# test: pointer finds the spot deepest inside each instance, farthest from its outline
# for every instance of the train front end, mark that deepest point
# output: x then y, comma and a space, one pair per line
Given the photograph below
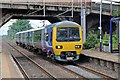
67, 42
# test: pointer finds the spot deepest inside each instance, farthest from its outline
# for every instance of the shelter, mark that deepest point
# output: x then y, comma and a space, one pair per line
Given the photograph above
114, 19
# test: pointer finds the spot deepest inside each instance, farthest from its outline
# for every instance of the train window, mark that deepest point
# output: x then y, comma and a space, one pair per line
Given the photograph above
68, 34
37, 36
46, 36
30, 36
23, 37
40, 34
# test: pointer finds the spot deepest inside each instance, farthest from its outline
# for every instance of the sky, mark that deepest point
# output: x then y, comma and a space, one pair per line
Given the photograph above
34, 24
4, 28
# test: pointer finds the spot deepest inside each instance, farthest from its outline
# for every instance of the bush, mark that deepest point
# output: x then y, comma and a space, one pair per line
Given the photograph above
106, 40
114, 40
91, 41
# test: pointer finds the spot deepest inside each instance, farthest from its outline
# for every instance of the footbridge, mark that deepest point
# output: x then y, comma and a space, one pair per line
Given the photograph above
51, 10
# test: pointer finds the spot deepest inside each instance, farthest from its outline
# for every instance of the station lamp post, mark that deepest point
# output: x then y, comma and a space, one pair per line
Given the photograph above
100, 27
83, 18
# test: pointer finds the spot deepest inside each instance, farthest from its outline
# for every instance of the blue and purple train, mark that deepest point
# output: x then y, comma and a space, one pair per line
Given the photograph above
60, 41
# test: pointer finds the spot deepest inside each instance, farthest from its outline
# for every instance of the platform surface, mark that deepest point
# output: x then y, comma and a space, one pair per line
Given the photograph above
9, 68
114, 57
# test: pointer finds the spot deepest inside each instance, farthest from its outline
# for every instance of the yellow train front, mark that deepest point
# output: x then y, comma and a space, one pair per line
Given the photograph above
67, 41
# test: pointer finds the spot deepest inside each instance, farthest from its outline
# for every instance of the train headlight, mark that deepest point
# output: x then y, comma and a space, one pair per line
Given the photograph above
59, 47
77, 46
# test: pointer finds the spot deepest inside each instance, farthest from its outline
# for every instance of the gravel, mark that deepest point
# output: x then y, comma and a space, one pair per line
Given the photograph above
32, 70
101, 69
81, 71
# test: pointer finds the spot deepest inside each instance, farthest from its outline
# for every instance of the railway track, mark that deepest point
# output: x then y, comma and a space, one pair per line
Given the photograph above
94, 72
67, 69
21, 68
79, 76
30, 60
103, 76
59, 65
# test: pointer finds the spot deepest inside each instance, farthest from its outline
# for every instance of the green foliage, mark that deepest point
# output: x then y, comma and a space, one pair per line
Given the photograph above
115, 41
91, 41
106, 39
116, 12
19, 25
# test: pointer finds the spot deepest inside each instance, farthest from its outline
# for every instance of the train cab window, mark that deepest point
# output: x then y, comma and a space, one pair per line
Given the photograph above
68, 34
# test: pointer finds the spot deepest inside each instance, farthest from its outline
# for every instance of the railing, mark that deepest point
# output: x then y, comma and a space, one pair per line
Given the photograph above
86, 3
94, 6
107, 7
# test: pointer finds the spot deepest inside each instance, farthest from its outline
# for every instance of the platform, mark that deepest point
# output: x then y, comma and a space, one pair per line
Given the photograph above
113, 57
9, 67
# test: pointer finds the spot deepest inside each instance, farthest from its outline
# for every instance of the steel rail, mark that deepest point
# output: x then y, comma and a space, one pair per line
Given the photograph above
59, 65
45, 71
79, 75
21, 68
94, 72
64, 68
25, 75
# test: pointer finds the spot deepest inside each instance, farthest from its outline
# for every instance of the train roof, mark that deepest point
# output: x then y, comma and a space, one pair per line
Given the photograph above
30, 30
63, 23
67, 23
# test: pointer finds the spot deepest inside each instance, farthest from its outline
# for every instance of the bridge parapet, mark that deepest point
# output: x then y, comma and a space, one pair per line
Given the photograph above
54, 8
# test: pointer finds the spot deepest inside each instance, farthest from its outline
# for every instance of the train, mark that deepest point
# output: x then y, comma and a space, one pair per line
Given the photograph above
60, 41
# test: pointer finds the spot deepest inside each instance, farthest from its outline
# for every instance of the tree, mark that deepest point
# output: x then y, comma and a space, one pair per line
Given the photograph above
116, 12
19, 25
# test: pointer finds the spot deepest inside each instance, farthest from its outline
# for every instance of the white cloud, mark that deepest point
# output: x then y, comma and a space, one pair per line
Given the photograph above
34, 23
4, 28
39, 23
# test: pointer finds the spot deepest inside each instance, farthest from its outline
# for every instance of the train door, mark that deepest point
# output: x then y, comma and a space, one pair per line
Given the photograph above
43, 38
50, 37
28, 39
